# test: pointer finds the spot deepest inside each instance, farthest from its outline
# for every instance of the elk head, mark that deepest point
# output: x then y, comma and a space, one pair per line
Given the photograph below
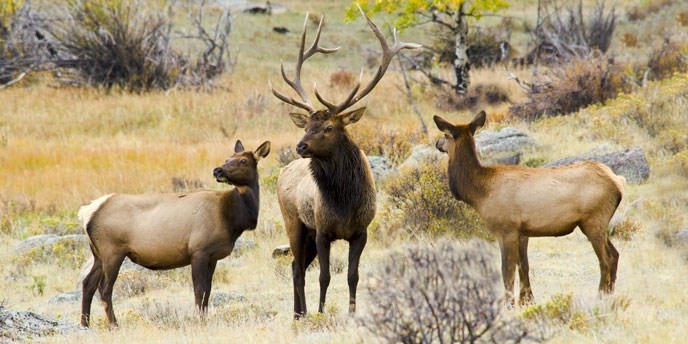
455, 134
325, 128
240, 168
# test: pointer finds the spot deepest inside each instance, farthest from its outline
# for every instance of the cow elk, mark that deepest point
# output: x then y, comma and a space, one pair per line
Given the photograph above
167, 231
330, 194
519, 202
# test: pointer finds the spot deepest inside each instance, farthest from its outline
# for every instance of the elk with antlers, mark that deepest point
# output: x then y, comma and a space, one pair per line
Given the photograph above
330, 194
519, 202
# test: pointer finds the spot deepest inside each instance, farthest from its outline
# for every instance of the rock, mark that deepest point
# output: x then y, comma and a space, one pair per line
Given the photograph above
631, 163
220, 298
68, 297
242, 246
682, 236
421, 153
46, 240
505, 140
514, 159
34, 242
281, 251
23, 326
381, 168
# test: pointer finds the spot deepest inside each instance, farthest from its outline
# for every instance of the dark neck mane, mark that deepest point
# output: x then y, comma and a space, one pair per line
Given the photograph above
243, 209
466, 174
341, 178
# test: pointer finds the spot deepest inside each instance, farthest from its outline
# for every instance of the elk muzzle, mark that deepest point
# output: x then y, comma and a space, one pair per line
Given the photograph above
302, 149
220, 175
441, 145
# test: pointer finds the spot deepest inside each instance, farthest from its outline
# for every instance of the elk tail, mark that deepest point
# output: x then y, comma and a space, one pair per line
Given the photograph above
86, 212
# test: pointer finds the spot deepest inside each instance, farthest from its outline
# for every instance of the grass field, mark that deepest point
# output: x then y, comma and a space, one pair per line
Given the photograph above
62, 147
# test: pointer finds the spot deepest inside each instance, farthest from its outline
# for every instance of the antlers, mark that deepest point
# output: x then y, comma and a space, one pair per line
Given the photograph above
354, 96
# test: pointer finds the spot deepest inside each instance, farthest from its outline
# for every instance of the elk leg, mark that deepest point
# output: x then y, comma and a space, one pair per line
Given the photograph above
90, 285
209, 284
598, 238
311, 251
355, 250
509, 247
297, 241
323, 244
110, 271
526, 295
199, 276
614, 260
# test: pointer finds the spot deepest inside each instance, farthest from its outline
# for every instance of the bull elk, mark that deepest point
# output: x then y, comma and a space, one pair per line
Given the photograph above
330, 194
167, 231
519, 202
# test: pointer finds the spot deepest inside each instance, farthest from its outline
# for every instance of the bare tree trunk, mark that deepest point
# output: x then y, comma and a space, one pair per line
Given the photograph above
461, 63
409, 95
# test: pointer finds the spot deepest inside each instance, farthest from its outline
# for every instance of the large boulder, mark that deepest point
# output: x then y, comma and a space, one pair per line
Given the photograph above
505, 140
20, 326
422, 153
47, 240
630, 163
381, 168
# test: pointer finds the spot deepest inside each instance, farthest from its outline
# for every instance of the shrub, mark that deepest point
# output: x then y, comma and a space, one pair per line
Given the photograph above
565, 33
638, 13
477, 97
561, 310
579, 83
420, 202
667, 59
626, 229
394, 144
441, 293
682, 18
123, 43
22, 45
629, 39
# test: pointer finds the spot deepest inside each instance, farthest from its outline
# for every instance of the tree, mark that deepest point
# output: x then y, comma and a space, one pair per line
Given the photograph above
448, 14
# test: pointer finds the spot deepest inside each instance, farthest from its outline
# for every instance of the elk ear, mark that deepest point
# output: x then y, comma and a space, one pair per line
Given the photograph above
352, 116
478, 121
445, 126
238, 147
262, 151
299, 119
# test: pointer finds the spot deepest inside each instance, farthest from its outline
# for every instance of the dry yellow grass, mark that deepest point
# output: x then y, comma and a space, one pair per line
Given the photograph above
60, 148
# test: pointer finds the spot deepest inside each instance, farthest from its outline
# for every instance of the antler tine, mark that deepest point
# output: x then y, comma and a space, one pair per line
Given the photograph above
303, 56
290, 100
387, 55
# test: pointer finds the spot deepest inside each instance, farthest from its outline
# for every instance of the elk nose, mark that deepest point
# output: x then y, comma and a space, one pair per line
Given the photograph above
301, 147
217, 171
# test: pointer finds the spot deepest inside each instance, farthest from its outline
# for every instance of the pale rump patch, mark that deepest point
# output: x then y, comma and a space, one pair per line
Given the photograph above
86, 212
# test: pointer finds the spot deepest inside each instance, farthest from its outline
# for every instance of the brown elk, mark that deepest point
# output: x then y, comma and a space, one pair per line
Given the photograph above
519, 202
167, 231
330, 194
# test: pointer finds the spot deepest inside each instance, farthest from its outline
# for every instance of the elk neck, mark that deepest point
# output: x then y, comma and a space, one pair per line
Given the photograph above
242, 207
468, 179
342, 178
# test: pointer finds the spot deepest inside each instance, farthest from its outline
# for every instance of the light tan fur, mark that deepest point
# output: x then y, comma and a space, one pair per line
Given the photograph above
167, 231
519, 202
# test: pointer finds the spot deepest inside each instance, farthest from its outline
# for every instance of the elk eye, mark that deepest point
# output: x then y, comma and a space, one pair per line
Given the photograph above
329, 128
243, 161
448, 137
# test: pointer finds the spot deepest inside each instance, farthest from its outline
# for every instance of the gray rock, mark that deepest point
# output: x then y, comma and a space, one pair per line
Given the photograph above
381, 168
631, 163
422, 153
281, 251
242, 246
682, 236
68, 297
23, 326
46, 240
220, 298
505, 140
